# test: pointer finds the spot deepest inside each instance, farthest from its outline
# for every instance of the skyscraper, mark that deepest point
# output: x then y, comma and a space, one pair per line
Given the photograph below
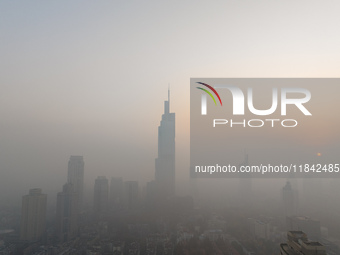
245, 186
289, 198
116, 192
67, 213
311, 227
165, 162
101, 195
33, 215
131, 197
76, 177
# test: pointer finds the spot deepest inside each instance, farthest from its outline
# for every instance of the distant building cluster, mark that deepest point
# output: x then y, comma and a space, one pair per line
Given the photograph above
127, 219
115, 195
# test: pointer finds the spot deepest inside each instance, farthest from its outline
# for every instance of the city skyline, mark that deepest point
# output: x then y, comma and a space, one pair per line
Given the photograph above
96, 156
106, 201
75, 82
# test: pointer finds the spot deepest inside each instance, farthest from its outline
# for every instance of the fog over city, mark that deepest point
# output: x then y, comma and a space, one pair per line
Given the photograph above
109, 81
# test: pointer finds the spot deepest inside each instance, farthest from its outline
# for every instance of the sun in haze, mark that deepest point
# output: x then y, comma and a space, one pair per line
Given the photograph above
319, 154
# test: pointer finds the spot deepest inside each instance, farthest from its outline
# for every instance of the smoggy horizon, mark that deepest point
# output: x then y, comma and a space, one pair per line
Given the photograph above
90, 79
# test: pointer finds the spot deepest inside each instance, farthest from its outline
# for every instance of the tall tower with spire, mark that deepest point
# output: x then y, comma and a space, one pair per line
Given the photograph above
165, 162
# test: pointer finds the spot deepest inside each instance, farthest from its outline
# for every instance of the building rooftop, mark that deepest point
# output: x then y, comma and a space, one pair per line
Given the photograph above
298, 244
286, 250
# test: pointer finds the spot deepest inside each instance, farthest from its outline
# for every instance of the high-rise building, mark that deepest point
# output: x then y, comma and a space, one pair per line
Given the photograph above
289, 199
165, 162
245, 191
76, 177
67, 213
298, 244
308, 225
261, 227
116, 192
33, 215
151, 194
101, 195
131, 197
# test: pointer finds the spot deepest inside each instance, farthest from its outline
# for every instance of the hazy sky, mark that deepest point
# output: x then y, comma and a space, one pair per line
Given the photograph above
90, 77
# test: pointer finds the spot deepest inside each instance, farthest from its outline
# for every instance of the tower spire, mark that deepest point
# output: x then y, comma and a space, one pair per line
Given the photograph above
167, 103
